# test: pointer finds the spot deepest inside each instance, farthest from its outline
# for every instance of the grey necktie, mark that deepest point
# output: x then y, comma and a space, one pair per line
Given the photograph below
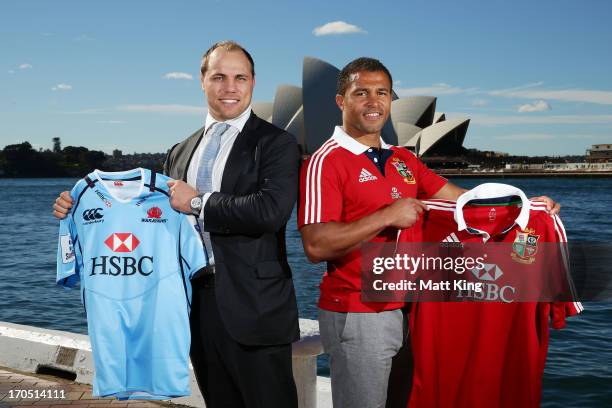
205, 173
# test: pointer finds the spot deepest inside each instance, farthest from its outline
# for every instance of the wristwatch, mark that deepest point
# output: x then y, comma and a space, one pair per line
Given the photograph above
196, 205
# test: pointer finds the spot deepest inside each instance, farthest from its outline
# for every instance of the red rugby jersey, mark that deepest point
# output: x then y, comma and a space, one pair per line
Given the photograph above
484, 353
339, 182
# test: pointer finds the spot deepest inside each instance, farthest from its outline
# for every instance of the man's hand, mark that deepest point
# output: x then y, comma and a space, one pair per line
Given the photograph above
181, 194
552, 207
62, 205
330, 240
404, 213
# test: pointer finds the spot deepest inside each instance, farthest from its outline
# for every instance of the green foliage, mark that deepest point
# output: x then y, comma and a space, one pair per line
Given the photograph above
21, 160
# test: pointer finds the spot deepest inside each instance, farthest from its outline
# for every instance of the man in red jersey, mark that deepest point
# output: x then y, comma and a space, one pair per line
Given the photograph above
488, 347
355, 189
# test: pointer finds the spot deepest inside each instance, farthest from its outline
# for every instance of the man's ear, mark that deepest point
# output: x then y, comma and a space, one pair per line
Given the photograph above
340, 102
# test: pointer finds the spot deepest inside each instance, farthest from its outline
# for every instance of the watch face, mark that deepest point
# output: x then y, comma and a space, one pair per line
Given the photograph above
196, 202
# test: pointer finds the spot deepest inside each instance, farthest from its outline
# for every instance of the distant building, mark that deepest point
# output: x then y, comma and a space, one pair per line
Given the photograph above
599, 153
117, 153
57, 145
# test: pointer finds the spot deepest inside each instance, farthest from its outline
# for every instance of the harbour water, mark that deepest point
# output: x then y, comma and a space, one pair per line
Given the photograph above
579, 366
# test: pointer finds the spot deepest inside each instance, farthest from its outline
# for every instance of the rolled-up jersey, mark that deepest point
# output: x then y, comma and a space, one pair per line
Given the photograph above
134, 257
485, 349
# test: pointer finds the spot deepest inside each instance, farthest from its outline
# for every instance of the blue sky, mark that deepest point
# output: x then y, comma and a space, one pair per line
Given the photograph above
534, 76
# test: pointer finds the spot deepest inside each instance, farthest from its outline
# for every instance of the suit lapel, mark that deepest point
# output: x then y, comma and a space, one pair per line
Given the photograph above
240, 154
191, 146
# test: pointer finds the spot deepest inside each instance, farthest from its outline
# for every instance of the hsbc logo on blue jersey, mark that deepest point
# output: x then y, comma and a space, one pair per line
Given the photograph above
491, 292
122, 265
105, 200
122, 242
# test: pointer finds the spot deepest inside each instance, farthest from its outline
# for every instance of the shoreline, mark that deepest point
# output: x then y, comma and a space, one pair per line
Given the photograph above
441, 172
520, 174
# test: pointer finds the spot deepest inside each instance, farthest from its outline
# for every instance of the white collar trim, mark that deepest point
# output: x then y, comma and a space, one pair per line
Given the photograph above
492, 190
238, 122
352, 145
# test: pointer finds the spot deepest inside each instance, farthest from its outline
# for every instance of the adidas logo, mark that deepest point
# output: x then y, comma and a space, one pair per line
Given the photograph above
451, 238
366, 176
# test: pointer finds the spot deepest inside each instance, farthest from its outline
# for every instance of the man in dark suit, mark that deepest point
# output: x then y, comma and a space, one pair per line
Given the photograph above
239, 176
244, 313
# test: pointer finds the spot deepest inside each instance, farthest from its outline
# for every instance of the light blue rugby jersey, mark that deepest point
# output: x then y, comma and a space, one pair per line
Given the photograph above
134, 256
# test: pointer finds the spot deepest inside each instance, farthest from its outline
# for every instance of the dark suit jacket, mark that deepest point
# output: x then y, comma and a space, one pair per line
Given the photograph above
246, 221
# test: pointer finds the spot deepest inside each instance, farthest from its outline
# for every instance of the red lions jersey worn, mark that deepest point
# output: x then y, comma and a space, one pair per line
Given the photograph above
340, 183
480, 353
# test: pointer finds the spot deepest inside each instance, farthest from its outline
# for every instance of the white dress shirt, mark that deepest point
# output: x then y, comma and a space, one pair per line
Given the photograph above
227, 142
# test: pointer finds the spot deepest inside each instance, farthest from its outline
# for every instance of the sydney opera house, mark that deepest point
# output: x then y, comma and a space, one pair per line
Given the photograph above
310, 113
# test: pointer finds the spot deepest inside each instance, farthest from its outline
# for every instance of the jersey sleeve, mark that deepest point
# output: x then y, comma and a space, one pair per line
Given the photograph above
320, 191
69, 260
429, 183
191, 249
559, 311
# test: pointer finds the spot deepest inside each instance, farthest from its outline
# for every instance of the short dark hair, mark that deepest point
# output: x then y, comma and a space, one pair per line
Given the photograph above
227, 45
357, 65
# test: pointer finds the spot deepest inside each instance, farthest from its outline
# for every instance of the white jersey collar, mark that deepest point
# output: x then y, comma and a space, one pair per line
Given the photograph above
491, 190
352, 145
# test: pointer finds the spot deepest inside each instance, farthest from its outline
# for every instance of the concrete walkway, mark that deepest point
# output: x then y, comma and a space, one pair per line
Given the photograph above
56, 392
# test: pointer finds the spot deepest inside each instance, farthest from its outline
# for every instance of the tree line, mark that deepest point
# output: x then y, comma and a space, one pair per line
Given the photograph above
22, 160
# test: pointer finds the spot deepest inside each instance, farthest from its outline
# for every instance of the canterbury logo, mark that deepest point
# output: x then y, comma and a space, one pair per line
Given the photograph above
366, 176
92, 214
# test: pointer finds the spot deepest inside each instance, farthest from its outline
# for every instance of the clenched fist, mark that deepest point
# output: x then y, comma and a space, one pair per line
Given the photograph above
181, 194
404, 213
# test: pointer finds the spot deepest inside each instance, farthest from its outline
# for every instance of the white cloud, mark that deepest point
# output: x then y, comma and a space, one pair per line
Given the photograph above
531, 91
434, 90
110, 122
83, 37
527, 136
480, 102
504, 120
337, 28
88, 111
159, 108
178, 75
537, 106
25, 66
62, 87
517, 88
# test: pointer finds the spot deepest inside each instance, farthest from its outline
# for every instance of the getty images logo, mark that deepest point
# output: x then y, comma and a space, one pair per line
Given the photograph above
121, 265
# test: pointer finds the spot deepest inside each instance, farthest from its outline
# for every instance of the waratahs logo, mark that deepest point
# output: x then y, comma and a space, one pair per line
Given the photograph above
154, 212
154, 215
